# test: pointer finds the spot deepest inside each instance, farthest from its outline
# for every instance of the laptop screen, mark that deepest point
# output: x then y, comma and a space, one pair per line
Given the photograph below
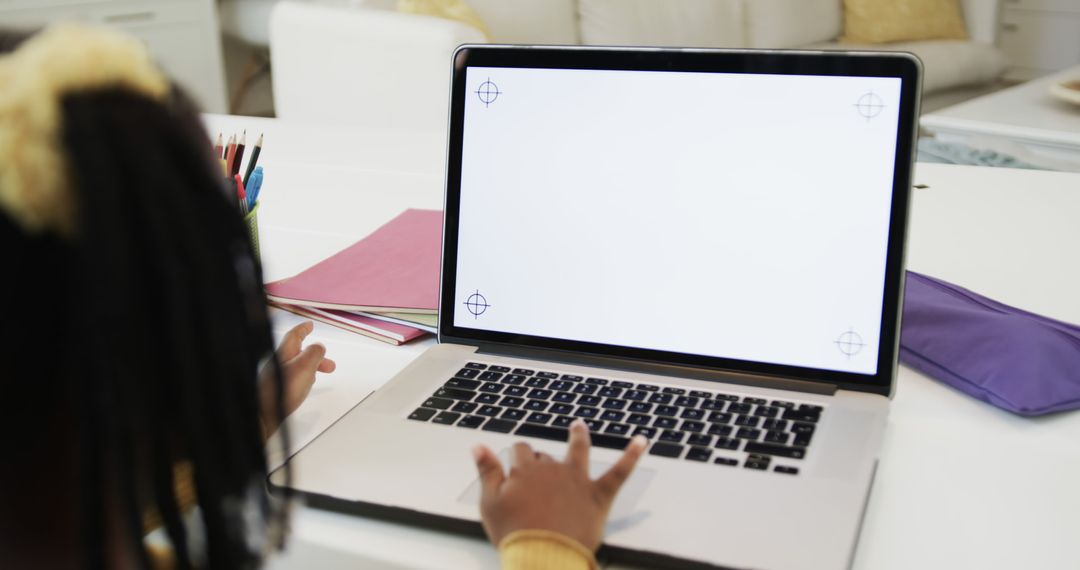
737, 216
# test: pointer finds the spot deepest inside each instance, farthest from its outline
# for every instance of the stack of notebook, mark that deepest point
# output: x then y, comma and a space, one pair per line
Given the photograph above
385, 286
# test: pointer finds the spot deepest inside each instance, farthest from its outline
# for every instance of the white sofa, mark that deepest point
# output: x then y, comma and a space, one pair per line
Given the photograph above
361, 62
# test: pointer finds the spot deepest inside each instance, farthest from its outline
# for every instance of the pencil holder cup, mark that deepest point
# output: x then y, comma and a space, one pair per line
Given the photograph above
251, 220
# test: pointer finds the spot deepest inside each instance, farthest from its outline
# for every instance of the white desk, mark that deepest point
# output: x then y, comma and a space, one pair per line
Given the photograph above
961, 484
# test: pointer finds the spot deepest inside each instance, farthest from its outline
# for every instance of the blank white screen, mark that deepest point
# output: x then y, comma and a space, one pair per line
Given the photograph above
730, 215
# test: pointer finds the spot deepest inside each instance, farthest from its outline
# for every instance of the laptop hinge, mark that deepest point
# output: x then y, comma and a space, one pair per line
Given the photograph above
648, 367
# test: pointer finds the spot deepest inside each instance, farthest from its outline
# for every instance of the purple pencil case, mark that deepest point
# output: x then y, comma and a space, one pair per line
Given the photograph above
1018, 361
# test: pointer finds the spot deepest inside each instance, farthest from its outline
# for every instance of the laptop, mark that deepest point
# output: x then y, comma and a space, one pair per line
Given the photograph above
701, 246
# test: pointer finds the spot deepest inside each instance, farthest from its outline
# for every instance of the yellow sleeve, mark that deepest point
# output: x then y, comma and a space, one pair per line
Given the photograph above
544, 550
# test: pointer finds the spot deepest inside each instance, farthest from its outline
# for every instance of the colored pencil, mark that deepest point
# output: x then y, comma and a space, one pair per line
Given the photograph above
218, 146
239, 155
230, 155
255, 152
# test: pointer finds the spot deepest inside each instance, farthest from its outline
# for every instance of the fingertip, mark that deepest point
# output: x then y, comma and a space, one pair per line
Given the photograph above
578, 424
638, 442
479, 451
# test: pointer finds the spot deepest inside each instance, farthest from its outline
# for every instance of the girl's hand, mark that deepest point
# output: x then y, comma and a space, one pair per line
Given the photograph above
543, 493
298, 369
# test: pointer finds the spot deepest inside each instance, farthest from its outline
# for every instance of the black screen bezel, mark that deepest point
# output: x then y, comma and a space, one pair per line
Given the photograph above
864, 64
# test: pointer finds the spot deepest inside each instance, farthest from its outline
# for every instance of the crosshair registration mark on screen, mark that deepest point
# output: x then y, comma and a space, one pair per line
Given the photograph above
476, 304
488, 92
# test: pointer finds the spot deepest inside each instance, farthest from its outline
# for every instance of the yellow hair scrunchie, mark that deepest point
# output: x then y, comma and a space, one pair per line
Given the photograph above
35, 180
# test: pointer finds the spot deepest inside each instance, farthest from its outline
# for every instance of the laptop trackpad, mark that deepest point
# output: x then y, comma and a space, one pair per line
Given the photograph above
622, 512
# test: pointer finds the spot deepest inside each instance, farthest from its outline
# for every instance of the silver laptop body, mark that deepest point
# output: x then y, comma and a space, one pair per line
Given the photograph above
704, 246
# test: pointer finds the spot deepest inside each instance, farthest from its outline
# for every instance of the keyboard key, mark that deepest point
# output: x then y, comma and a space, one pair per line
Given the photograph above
786, 470
748, 433
563, 434
661, 398
614, 404
572, 378
672, 436
511, 402
597, 381
766, 412
422, 414
648, 387
676, 391
646, 432
612, 416
727, 443
720, 429
640, 407
617, 429
698, 454
467, 373
490, 376
496, 368
561, 409
802, 439
536, 405
747, 421
501, 426
756, 401
776, 425
446, 418
801, 415
514, 379
622, 384
464, 407
462, 383
665, 423
687, 401
670, 411
512, 414
727, 397
471, 422
810, 408
594, 425
739, 408
725, 461
515, 390
539, 394
562, 385
563, 421
781, 404
455, 394
800, 428
537, 382
565, 397
635, 395
538, 418
586, 412
777, 450
476, 366
692, 426
713, 404
589, 401
720, 417
492, 388
489, 411
776, 437
524, 371
437, 403
666, 449
639, 419
610, 392
699, 439
700, 394
486, 399
548, 375
756, 464
692, 414
588, 389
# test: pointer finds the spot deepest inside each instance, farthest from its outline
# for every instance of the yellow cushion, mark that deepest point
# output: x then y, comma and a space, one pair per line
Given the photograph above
456, 10
881, 21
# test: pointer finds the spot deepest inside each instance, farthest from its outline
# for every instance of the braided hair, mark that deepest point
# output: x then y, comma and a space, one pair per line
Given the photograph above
134, 345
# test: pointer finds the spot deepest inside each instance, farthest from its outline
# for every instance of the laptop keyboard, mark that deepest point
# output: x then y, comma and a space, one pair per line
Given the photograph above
694, 425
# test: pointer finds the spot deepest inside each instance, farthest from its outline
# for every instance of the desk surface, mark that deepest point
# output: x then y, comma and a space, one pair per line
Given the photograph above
960, 484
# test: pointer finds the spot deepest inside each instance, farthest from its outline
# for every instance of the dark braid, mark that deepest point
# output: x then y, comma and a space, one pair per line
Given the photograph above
172, 293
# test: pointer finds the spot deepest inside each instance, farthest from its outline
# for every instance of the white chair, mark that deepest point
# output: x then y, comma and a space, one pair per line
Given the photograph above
336, 64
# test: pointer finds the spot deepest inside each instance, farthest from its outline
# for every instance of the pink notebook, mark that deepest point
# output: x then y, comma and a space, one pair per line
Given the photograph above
396, 268
387, 332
